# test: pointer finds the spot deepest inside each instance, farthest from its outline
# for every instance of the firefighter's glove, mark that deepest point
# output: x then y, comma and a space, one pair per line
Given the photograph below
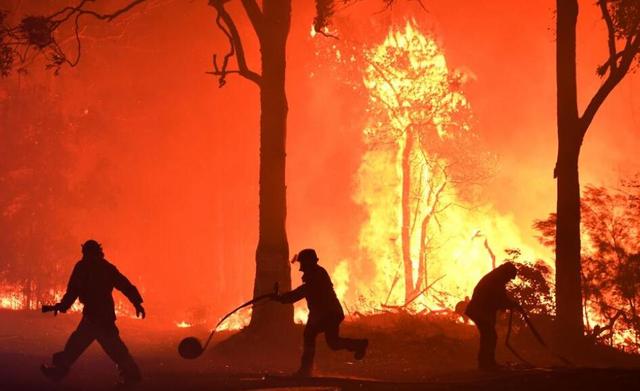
140, 311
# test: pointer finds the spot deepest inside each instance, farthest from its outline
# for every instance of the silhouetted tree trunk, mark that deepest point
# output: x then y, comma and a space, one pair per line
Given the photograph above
272, 253
571, 130
271, 24
568, 299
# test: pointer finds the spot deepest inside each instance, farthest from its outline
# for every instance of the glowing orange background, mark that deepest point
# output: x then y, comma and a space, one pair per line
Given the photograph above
183, 154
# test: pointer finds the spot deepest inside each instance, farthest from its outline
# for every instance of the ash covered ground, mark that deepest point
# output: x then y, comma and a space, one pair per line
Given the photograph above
406, 352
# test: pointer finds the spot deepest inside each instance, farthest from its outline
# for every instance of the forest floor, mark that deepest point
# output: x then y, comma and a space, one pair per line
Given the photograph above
405, 353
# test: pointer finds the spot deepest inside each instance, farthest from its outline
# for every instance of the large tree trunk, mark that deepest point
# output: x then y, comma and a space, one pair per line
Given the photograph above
272, 253
569, 326
406, 215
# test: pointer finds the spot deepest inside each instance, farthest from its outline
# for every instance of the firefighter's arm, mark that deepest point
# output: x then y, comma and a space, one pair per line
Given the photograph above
123, 284
292, 296
71, 294
505, 302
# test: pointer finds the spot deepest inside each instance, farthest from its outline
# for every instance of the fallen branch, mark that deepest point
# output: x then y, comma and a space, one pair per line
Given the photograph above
424, 290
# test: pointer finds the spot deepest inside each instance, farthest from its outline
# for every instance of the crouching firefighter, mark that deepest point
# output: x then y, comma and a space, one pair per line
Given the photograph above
490, 296
325, 312
92, 280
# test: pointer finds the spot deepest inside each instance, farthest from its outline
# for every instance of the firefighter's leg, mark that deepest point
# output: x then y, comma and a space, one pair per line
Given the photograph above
336, 342
77, 343
311, 331
488, 340
109, 338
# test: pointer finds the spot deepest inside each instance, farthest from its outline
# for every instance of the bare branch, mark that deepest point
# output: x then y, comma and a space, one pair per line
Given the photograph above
228, 27
77, 11
386, 79
423, 291
35, 35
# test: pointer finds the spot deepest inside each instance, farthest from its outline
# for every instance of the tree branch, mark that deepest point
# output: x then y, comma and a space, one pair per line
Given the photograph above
34, 35
79, 11
228, 27
611, 33
254, 13
416, 295
628, 54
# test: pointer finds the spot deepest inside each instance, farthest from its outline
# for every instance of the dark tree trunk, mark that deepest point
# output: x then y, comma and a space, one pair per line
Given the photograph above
406, 216
272, 253
569, 324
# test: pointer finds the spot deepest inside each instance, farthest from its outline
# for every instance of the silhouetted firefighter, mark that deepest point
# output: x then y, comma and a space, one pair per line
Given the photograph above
490, 296
325, 312
92, 280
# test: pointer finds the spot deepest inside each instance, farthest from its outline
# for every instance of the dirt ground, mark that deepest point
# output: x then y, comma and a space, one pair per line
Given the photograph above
406, 353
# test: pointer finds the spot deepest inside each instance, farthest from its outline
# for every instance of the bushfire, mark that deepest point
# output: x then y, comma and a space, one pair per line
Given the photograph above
429, 233
427, 238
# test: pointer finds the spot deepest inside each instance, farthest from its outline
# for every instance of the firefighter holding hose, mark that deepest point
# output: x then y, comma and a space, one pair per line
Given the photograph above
325, 312
489, 297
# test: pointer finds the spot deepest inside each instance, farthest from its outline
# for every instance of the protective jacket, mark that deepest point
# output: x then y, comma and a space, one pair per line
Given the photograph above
490, 295
92, 281
321, 298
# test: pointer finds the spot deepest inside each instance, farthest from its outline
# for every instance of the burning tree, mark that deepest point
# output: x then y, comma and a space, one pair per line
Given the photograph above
420, 118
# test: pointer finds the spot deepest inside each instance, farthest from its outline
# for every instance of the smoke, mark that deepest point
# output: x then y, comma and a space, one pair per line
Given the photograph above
164, 165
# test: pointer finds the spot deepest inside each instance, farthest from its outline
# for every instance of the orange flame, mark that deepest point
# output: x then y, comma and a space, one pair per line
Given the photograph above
412, 90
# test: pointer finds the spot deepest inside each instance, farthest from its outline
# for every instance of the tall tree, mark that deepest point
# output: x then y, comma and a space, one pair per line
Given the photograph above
271, 26
419, 112
622, 19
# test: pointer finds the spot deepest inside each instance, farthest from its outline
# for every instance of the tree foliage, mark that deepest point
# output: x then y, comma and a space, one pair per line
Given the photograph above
610, 228
622, 18
532, 288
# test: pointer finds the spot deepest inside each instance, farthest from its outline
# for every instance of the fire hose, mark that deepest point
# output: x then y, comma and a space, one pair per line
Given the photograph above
508, 344
191, 348
537, 336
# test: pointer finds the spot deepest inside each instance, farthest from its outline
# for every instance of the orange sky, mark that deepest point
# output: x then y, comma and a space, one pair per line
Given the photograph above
182, 153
